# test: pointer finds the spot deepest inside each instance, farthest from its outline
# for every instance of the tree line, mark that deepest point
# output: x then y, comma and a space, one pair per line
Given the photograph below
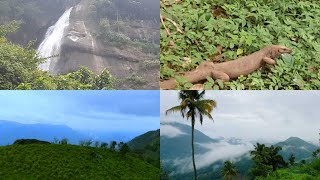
122, 147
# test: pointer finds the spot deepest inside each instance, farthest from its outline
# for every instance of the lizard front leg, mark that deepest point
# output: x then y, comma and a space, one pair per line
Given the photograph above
220, 75
269, 60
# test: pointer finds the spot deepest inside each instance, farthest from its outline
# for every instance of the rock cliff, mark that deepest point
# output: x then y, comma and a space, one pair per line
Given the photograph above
81, 47
132, 62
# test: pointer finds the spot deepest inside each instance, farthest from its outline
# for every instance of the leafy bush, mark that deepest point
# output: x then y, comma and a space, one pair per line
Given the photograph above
309, 171
238, 28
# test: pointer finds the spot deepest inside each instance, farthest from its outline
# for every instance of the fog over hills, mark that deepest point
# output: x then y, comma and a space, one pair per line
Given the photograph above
210, 152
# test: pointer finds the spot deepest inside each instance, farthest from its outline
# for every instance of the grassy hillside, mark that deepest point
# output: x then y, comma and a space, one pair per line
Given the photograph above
148, 138
147, 146
38, 161
309, 171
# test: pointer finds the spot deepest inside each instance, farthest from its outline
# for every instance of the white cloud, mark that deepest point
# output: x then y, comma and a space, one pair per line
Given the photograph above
216, 152
170, 131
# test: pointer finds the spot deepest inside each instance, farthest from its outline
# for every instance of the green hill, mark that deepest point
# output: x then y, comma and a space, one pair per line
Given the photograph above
151, 138
51, 161
298, 147
147, 146
310, 171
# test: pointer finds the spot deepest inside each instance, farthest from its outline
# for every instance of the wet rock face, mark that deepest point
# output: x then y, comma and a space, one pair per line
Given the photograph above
81, 47
35, 28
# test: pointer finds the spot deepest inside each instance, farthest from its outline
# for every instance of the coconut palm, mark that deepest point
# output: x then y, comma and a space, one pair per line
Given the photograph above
229, 170
193, 106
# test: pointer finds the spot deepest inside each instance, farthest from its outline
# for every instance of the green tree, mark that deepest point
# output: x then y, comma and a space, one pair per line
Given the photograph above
266, 160
120, 144
55, 140
105, 80
292, 159
193, 105
96, 144
229, 170
64, 141
113, 145
316, 153
124, 149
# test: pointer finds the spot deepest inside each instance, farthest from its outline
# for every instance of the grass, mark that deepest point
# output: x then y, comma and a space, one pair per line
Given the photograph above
310, 171
37, 161
239, 28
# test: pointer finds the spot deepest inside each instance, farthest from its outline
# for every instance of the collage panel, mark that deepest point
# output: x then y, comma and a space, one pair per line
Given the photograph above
79, 44
239, 135
79, 135
162, 68
240, 45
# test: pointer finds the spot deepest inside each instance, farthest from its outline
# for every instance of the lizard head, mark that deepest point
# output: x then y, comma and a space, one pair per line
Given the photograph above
284, 50
277, 50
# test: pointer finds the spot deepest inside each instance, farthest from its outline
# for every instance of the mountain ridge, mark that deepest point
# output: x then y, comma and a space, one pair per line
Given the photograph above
291, 145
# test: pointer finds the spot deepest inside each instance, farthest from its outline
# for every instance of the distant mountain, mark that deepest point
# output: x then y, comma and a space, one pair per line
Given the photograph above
298, 147
147, 146
178, 146
11, 131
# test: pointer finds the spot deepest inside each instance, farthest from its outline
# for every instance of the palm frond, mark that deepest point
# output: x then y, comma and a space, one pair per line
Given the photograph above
201, 94
201, 118
207, 105
174, 109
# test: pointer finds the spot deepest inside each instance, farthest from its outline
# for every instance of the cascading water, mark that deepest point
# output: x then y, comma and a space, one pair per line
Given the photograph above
50, 46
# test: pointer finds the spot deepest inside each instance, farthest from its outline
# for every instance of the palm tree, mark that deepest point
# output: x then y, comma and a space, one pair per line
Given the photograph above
193, 105
229, 170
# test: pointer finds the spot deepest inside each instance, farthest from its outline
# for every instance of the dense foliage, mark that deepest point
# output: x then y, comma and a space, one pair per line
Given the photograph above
38, 161
147, 147
19, 70
229, 170
18, 9
209, 28
310, 171
266, 160
116, 17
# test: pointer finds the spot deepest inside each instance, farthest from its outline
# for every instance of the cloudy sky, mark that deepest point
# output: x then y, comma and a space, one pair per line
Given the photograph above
268, 116
111, 111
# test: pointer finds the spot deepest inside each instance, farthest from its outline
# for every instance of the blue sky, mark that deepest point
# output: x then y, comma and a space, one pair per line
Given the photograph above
110, 111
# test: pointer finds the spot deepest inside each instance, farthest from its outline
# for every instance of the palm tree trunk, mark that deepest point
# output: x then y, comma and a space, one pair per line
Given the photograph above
192, 143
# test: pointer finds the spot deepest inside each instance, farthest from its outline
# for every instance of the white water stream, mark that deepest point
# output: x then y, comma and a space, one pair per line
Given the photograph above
51, 44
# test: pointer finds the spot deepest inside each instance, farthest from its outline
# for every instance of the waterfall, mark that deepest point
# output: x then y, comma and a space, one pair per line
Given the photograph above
51, 44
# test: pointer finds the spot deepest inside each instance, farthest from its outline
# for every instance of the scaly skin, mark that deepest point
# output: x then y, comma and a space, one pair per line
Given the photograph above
232, 69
